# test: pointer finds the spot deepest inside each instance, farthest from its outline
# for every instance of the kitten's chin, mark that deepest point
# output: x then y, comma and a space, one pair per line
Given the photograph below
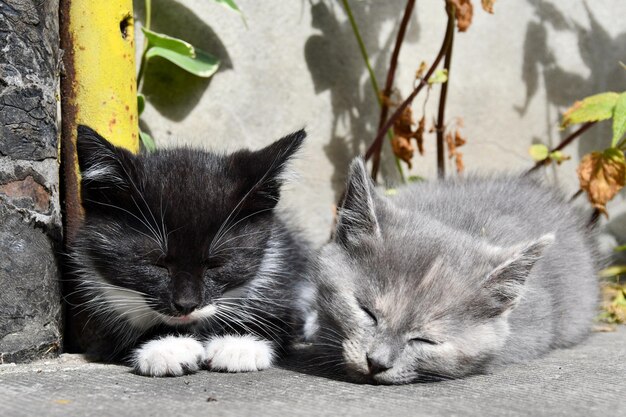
359, 376
191, 318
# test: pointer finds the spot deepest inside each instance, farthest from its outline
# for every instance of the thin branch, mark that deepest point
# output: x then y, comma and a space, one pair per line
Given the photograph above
569, 139
143, 62
376, 144
374, 82
441, 123
393, 64
359, 40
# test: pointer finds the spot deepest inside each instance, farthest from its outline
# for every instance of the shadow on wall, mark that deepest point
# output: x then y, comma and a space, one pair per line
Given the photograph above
335, 64
172, 91
599, 52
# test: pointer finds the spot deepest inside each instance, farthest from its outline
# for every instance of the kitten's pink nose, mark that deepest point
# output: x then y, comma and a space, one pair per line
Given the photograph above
375, 366
185, 306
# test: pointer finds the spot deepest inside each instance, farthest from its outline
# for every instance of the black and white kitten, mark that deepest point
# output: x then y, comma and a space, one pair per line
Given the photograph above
450, 278
183, 259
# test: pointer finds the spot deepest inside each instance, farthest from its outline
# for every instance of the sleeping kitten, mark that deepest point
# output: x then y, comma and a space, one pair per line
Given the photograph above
182, 259
449, 278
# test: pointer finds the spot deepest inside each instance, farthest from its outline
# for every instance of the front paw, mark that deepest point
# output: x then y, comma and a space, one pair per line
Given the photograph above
168, 356
238, 353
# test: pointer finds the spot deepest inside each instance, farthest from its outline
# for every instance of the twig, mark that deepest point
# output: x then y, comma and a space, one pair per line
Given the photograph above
374, 82
422, 82
393, 64
441, 124
569, 139
143, 63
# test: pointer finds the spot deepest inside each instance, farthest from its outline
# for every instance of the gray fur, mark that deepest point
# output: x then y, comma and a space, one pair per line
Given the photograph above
461, 276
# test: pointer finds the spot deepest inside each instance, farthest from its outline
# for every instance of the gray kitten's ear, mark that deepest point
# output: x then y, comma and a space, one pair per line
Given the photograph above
357, 217
505, 283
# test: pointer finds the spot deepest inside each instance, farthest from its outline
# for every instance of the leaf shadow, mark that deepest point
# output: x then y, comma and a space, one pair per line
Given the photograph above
598, 50
337, 68
172, 91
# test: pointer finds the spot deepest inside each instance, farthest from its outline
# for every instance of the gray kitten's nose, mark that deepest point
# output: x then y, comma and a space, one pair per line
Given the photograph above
376, 366
185, 306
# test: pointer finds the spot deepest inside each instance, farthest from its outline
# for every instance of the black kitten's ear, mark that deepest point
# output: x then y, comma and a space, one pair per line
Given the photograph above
357, 215
505, 283
103, 166
265, 170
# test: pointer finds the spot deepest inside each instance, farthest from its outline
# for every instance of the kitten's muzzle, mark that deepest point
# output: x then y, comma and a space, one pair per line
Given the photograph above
376, 366
185, 306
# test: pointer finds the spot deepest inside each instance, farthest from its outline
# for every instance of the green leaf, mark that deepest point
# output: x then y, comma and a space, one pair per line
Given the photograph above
141, 103
539, 152
621, 248
559, 157
612, 271
202, 64
415, 178
591, 109
168, 42
391, 191
229, 4
439, 77
619, 119
147, 141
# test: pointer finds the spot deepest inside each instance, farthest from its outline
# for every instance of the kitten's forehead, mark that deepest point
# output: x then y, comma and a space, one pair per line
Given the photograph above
410, 285
190, 194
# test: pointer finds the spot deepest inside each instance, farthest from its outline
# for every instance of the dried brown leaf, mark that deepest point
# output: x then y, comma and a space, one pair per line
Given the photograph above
419, 74
403, 126
463, 11
602, 175
419, 135
459, 140
488, 5
459, 162
402, 148
613, 303
451, 145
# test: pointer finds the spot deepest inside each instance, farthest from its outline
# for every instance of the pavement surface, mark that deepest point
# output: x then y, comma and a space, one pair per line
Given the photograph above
589, 380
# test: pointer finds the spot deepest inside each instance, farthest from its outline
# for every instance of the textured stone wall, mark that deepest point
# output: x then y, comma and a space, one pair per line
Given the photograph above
30, 223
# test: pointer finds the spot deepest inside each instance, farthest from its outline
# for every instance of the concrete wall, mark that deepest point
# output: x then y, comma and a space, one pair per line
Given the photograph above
298, 64
30, 223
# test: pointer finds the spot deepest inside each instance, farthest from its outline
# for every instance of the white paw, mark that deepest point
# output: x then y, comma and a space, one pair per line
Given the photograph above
238, 353
168, 356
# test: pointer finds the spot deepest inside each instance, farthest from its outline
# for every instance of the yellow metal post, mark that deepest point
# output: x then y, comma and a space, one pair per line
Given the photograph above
99, 86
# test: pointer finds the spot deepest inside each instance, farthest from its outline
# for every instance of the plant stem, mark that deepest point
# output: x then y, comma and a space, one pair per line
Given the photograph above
143, 63
375, 146
359, 39
569, 139
373, 80
441, 123
148, 14
384, 110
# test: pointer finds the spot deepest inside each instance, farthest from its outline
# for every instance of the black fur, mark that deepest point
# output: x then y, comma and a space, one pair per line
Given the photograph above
179, 228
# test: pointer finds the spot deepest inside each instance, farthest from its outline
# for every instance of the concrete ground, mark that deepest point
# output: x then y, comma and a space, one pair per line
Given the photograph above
588, 380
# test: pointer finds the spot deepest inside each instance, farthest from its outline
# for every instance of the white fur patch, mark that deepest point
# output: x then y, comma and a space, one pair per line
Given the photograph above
193, 317
168, 356
238, 353
311, 326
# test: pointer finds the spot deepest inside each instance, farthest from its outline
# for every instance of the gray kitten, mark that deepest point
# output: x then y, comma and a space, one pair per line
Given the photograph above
449, 278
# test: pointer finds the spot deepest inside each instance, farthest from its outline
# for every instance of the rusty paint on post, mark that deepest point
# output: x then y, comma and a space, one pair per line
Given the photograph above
99, 85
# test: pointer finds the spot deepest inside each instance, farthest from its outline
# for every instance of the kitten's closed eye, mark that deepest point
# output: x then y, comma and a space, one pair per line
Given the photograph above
161, 262
369, 313
214, 263
423, 340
